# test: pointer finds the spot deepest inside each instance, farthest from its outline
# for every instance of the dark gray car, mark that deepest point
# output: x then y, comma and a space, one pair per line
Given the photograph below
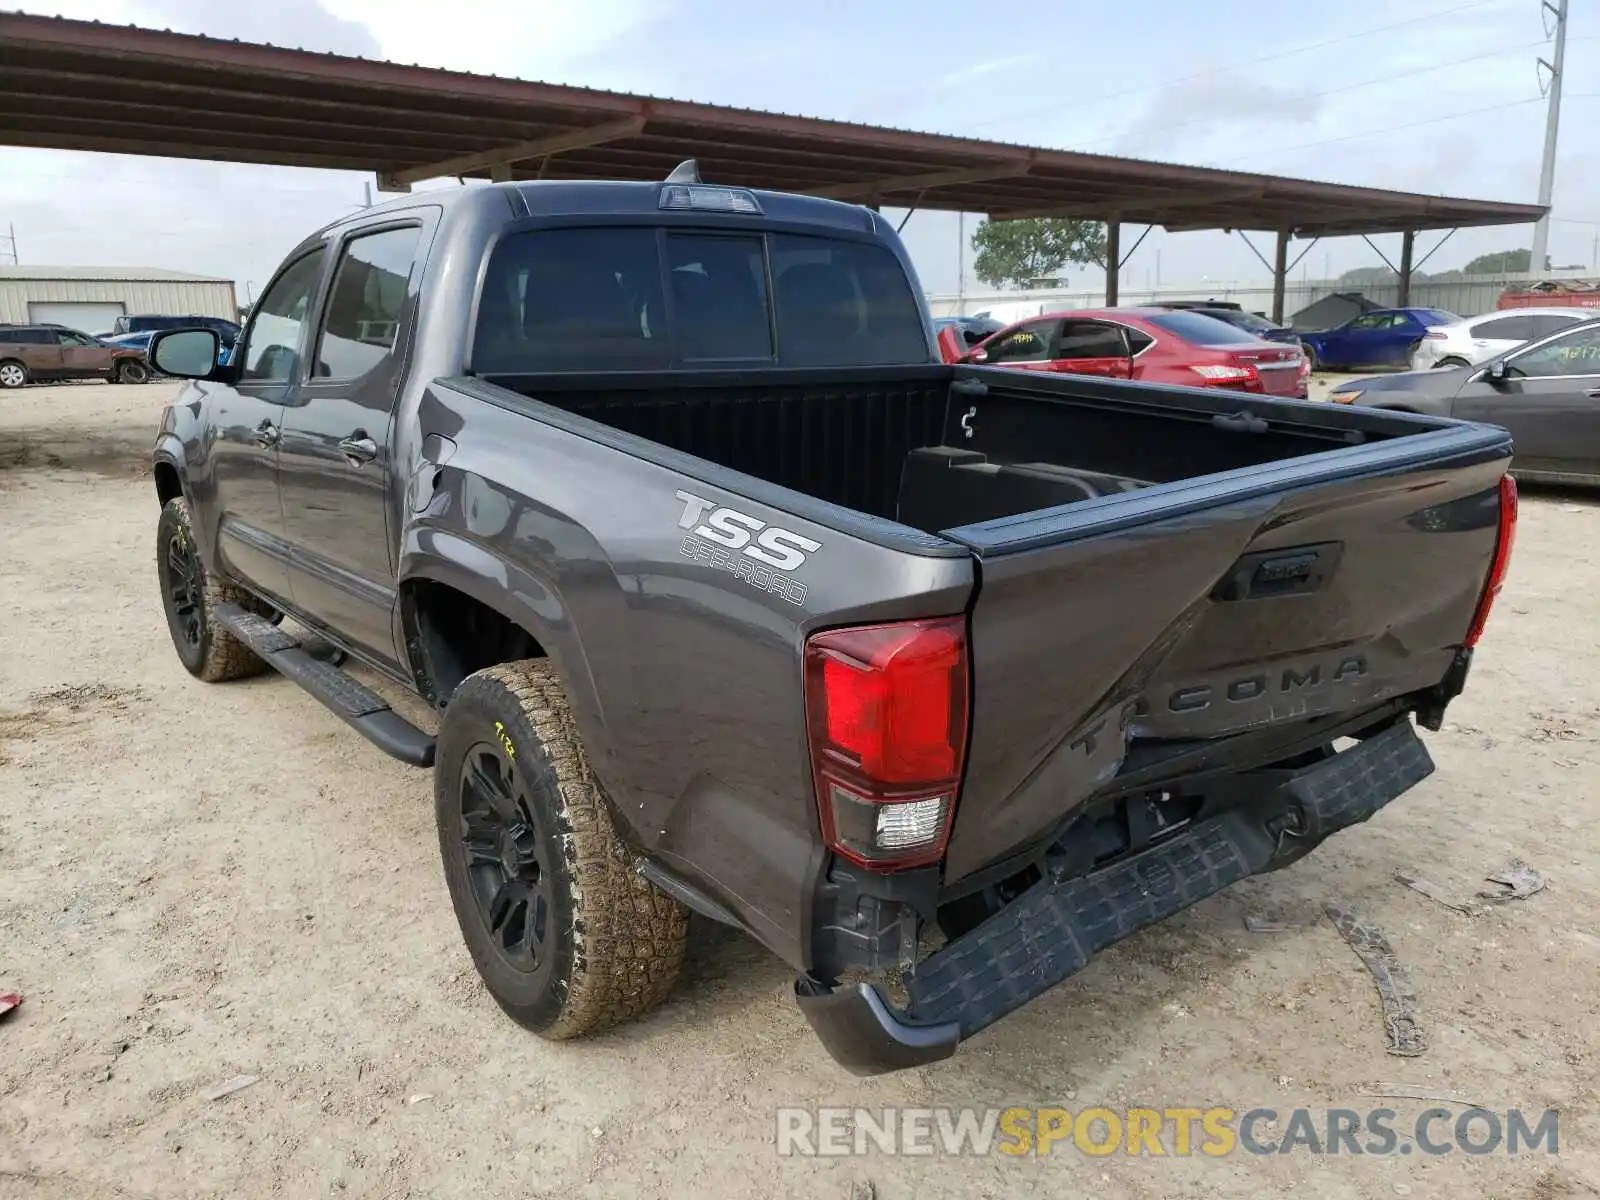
1546, 393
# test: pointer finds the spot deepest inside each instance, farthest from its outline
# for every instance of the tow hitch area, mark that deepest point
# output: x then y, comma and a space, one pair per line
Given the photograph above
1052, 930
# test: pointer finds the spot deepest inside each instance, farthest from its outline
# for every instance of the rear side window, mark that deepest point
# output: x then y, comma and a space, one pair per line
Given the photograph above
635, 299
366, 304
1090, 339
1505, 329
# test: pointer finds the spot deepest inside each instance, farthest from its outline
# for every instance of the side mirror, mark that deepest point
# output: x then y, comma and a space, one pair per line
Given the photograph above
185, 353
1498, 372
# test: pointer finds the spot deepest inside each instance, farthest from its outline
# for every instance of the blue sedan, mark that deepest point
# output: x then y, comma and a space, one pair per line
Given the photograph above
1384, 337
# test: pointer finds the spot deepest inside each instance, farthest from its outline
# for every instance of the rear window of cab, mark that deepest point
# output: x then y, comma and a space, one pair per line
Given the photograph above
621, 299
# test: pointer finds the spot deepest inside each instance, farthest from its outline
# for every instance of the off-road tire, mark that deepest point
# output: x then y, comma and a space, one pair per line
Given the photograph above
217, 655
12, 373
616, 943
131, 372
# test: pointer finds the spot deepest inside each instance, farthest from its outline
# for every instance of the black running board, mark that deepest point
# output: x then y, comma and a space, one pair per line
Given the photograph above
352, 702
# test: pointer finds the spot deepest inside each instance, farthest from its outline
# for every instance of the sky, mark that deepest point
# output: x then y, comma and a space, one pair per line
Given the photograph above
1424, 95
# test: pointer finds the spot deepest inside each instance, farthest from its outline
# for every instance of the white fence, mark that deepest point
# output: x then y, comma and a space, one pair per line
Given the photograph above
1465, 297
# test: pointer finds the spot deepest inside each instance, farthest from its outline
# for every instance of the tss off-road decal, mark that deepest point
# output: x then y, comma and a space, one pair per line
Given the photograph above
755, 551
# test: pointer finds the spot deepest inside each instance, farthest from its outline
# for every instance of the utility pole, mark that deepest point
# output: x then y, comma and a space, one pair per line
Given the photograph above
1552, 121
12, 242
961, 262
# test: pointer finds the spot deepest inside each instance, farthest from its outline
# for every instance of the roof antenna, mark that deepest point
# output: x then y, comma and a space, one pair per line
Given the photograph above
688, 171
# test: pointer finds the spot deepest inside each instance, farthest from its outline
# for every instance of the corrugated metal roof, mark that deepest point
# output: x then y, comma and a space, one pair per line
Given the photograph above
86, 86
113, 274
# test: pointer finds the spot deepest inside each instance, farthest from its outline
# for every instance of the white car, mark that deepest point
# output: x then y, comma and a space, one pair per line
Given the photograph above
1474, 340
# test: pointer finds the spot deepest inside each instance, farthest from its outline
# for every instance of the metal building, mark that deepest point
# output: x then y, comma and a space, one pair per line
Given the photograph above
89, 299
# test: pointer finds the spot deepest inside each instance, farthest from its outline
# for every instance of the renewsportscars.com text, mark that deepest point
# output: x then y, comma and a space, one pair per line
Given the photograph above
1162, 1132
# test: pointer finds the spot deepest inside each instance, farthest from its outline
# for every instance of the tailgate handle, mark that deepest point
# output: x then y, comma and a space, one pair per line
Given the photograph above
1291, 571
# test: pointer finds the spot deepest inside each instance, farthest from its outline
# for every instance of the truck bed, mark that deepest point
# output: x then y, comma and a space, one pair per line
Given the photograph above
900, 444
1124, 541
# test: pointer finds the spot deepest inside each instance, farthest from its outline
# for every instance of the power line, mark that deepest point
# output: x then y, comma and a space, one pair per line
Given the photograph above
1351, 137
1257, 61
1456, 62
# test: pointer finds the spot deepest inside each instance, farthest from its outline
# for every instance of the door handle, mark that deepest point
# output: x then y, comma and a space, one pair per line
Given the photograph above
267, 434
358, 449
1594, 393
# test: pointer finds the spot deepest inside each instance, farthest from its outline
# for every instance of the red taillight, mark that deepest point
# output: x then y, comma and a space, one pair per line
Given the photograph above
1502, 558
886, 711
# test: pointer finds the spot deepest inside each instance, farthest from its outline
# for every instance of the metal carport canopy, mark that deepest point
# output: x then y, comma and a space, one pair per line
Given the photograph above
81, 85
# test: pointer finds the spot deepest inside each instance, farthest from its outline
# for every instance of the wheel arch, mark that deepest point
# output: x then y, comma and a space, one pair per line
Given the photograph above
168, 475
462, 608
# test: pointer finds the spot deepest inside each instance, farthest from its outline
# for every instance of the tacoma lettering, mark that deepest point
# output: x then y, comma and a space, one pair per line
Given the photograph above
1292, 680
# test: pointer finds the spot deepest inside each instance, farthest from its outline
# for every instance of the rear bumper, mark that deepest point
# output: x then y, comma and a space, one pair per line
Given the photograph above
1054, 929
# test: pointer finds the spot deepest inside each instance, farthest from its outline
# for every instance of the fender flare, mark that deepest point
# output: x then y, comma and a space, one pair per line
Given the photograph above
528, 600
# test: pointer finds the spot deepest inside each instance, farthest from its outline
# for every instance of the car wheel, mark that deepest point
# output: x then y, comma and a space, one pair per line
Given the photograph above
566, 934
1311, 358
189, 597
132, 372
12, 374
1451, 361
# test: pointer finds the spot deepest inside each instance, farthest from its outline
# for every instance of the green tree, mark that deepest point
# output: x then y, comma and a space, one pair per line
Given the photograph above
1364, 276
1023, 250
1502, 261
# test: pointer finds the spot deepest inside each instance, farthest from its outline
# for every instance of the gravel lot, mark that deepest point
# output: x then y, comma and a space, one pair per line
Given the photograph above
200, 882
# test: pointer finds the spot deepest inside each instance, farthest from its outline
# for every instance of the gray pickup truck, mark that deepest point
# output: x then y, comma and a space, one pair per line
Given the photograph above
730, 597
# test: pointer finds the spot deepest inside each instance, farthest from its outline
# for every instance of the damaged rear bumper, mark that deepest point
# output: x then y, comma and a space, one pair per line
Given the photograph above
1052, 930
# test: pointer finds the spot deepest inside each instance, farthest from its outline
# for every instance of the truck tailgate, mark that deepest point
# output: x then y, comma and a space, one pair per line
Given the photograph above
1260, 597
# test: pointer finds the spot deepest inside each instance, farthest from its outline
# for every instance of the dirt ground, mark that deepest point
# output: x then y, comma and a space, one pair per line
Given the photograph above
201, 882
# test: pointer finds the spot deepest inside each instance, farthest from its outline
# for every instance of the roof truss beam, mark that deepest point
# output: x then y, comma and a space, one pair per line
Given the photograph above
922, 183
504, 156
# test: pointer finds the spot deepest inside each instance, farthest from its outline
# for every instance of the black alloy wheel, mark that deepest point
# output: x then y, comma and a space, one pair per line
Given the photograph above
184, 582
508, 860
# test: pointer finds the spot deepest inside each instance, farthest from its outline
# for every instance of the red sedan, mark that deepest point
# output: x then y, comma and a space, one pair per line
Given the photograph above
1154, 346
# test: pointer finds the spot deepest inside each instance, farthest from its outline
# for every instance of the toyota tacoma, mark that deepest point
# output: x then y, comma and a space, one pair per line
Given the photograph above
728, 596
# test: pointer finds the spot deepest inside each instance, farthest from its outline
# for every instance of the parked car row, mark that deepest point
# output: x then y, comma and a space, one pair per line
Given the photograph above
47, 353
1545, 391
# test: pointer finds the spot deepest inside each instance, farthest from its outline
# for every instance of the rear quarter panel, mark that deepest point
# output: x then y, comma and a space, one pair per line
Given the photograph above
685, 677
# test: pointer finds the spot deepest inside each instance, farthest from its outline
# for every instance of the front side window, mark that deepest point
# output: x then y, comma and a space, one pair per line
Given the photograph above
1025, 343
1550, 322
71, 338
272, 347
366, 303
1576, 353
